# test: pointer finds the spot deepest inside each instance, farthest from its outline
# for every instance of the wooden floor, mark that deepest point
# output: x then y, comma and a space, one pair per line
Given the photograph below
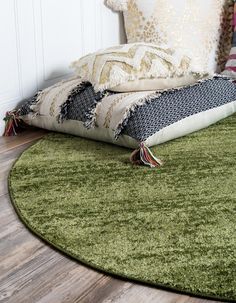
32, 272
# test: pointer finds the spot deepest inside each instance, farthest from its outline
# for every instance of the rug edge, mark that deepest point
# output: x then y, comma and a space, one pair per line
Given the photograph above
91, 265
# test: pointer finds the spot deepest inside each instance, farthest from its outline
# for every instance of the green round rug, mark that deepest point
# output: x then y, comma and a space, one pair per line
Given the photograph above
173, 228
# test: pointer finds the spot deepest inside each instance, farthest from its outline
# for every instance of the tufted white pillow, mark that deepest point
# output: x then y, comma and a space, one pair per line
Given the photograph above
135, 67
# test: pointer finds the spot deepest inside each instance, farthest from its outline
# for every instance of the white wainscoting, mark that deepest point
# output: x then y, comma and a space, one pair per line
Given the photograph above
40, 38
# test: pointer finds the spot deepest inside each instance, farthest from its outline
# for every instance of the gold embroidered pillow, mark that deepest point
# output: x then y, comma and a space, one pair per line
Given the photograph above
201, 29
137, 66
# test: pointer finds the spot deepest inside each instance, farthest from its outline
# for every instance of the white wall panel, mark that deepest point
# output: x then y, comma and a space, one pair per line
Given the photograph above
111, 33
39, 39
26, 38
58, 37
10, 86
91, 25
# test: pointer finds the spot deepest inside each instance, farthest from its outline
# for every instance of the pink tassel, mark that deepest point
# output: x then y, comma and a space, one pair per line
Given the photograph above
144, 156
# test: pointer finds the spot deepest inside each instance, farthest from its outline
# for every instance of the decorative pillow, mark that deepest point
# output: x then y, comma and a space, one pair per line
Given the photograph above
230, 68
139, 65
130, 119
200, 29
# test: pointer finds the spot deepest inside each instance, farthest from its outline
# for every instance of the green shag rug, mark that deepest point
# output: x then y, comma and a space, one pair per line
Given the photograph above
173, 228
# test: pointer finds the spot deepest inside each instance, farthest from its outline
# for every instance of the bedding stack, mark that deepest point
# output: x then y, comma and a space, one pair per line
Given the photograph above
145, 93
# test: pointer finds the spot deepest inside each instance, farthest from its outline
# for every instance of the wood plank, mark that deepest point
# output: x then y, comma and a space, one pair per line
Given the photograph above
135, 293
4, 206
85, 281
49, 279
199, 300
19, 256
13, 154
19, 284
8, 214
101, 290
8, 143
16, 234
8, 157
4, 179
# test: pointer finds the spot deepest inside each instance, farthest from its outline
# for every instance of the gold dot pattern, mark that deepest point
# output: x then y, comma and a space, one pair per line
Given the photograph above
200, 29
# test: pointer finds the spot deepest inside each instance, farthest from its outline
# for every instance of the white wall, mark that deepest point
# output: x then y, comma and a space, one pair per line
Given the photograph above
39, 39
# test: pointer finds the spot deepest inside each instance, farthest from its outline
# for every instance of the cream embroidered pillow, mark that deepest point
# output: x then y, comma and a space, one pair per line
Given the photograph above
201, 29
137, 66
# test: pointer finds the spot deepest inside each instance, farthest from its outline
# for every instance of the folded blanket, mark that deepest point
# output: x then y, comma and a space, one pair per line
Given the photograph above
53, 101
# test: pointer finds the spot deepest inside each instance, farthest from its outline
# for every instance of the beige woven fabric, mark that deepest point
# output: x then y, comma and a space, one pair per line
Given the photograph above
108, 68
50, 100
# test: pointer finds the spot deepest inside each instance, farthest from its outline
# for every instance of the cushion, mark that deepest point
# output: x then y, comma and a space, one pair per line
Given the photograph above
129, 119
54, 101
137, 66
230, 68
200, 29
156, 84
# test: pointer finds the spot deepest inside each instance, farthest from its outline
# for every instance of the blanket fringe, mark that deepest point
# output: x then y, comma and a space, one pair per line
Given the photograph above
91, 115
13, 123
144, 156
64, 107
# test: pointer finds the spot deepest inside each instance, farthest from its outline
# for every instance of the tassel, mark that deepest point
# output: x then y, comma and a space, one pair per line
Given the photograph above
144, 156
13, 123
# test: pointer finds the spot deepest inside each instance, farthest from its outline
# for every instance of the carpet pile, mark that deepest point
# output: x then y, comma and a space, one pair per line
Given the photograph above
173, 227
